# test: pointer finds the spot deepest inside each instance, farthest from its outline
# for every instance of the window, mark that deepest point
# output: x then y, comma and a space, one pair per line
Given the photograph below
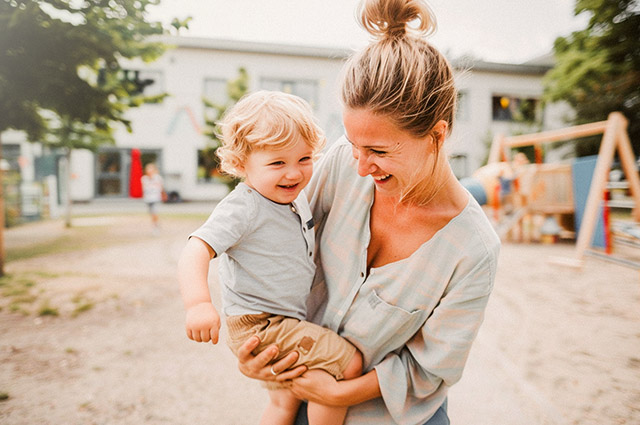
148, 82
113, 168
109, 173
462, 107
209, 169
509, 108
458, 164
306, 89
208, 163
215, 90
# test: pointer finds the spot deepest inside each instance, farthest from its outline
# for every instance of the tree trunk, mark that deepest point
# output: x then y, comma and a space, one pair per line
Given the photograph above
2, 253
67, 189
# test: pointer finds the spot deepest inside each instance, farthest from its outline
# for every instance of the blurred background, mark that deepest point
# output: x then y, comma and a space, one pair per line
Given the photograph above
547, 131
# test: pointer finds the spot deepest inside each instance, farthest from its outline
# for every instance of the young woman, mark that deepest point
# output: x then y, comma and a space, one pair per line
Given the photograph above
407, 258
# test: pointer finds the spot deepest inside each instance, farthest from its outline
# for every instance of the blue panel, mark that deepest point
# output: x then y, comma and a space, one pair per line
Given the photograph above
582, 174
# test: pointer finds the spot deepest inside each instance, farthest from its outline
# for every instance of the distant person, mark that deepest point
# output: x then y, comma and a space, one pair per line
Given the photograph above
152, 192
264, 233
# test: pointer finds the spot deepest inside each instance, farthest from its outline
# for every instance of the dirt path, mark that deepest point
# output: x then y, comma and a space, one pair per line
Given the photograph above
558, 346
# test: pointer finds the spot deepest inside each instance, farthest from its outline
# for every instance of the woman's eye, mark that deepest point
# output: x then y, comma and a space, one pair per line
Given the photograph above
377, 152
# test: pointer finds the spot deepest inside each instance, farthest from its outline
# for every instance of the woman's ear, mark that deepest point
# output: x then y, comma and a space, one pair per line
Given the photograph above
439, 132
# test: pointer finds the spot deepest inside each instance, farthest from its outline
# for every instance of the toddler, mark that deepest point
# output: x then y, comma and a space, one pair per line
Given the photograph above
263, 233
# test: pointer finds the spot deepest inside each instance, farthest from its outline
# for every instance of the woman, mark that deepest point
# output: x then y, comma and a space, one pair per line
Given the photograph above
407, 258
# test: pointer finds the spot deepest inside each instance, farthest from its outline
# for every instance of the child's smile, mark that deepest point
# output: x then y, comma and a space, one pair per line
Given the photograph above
280, 175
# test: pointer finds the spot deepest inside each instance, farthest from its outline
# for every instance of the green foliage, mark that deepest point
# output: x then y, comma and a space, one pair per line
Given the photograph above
236, 88
62, 56
598, 68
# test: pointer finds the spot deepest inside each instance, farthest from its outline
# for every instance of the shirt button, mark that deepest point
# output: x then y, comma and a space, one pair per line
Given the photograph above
361, 274
304, 229
248, 190
310, 254
293, 208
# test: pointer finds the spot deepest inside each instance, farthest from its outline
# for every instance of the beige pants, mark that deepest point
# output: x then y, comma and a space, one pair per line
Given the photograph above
318, 347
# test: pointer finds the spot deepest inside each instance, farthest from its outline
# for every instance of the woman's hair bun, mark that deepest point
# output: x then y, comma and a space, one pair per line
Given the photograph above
391, 19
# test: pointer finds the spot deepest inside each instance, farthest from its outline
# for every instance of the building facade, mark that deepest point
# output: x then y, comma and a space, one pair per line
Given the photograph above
494, 98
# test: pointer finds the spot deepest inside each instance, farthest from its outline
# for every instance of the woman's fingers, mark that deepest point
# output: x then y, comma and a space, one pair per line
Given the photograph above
258, 366
291, 374
280, 367
244, 352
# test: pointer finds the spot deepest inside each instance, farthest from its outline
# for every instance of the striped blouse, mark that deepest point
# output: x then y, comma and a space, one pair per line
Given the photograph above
413, 320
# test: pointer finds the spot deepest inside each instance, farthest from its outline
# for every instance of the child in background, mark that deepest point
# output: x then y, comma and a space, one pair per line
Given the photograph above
152, 192
263, 232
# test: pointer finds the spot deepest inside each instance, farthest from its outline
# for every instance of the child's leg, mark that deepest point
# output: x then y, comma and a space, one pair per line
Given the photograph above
282, 408
320, 414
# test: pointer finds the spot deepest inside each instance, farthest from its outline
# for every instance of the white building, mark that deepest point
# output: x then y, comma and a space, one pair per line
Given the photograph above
170, 133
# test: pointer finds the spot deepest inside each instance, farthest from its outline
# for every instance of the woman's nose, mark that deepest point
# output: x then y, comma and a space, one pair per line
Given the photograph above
364, 163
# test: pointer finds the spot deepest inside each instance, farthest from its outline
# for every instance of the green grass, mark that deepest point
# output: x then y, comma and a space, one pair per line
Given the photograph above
47, 310
82, 304
69, 242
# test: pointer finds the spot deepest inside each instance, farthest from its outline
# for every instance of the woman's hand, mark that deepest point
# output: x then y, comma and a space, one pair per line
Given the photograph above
318, 386
261, 367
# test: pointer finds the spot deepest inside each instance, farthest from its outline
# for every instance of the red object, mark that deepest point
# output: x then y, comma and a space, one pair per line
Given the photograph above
135, 175
605, 221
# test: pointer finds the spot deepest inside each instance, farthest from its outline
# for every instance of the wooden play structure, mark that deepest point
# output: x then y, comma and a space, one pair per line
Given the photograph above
518, 190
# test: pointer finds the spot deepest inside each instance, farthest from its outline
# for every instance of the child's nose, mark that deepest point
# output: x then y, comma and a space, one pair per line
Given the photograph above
293, 173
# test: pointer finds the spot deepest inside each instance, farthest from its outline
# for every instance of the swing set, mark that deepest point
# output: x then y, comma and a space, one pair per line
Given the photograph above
548, 189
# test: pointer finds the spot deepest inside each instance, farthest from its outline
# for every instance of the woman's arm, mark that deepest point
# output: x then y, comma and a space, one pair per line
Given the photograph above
320, 387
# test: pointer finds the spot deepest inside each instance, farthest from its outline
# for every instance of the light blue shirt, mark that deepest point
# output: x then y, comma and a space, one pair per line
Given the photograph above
413, 320
266, 253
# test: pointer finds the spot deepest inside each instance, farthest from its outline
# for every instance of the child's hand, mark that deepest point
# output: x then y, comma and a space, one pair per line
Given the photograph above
203, 323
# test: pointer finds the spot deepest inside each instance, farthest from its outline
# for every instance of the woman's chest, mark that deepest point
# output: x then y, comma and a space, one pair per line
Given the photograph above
397, 234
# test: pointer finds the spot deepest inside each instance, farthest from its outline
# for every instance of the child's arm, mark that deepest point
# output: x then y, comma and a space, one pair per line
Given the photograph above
202, 321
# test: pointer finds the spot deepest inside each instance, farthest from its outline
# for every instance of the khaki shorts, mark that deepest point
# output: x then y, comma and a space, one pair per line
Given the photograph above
318, 347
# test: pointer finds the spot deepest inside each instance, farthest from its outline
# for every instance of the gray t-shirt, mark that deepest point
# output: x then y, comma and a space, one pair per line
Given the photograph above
266, 253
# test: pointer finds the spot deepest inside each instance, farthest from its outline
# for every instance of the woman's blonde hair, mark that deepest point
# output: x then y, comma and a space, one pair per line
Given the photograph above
400, 75
265, 120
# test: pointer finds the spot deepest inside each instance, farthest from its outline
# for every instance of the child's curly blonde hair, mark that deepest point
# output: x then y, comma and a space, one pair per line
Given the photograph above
265, 120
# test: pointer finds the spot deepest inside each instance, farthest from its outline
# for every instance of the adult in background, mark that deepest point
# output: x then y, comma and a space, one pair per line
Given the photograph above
407, 258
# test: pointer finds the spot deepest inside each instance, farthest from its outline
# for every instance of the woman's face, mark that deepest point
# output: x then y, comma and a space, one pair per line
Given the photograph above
391, 156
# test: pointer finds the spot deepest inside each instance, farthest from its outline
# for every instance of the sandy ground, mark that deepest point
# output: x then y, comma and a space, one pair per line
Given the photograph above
558, 346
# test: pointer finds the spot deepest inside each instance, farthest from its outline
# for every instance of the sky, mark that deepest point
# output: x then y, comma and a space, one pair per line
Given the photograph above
508, 31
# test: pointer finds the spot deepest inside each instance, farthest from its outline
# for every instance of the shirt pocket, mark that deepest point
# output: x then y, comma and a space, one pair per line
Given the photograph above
381, 327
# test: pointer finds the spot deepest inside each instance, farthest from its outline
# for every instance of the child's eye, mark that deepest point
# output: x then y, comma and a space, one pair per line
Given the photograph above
305, 159
275, 163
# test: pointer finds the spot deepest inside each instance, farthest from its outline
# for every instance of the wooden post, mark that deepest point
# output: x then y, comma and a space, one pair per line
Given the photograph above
496, 149
629, 166
615, 124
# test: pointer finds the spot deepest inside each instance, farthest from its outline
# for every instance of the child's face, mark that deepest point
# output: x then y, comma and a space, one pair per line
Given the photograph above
280, 175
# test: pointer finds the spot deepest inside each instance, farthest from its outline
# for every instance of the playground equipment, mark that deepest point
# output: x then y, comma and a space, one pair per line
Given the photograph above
516, 190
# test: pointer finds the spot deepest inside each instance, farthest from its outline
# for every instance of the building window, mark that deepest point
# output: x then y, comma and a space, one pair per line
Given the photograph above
215, 91
148, 82
462, 107
113, 169
306, 89
510, 108
459, 165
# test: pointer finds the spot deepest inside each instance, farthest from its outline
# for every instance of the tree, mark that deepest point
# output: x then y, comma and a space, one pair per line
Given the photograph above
236, 88
60, 74
598, 68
